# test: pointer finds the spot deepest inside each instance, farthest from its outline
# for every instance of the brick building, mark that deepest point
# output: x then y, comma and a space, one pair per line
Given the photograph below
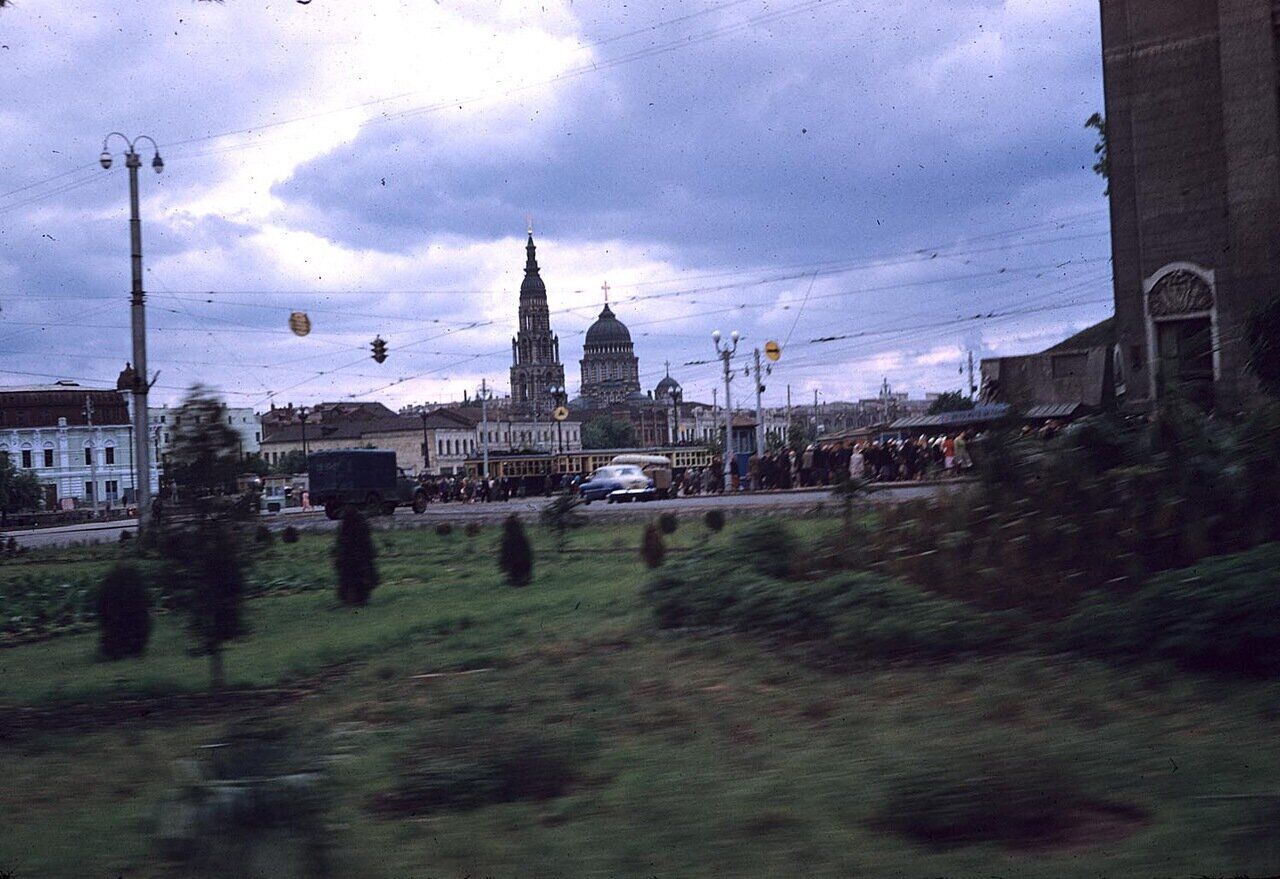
1193, 133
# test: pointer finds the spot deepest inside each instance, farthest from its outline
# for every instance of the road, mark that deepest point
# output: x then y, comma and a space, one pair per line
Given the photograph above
459, 513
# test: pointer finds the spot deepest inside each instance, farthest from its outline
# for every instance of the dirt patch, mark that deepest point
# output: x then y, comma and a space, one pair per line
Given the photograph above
1089, 826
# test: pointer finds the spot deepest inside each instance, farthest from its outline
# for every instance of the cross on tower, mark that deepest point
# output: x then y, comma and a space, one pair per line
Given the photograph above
667, 364
605, 288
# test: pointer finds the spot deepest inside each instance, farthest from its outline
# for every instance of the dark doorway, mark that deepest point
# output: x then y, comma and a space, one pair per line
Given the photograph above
1185, 352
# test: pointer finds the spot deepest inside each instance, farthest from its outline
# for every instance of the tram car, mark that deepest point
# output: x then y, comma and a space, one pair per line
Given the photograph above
542, 472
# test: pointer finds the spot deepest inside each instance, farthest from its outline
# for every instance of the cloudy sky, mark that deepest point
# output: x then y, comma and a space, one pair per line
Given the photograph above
909, 181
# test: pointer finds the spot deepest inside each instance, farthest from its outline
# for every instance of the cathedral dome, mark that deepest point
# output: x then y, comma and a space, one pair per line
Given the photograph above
608, 330
666, 387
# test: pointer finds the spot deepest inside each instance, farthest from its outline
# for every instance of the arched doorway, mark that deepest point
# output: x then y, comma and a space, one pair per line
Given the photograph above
1182, 334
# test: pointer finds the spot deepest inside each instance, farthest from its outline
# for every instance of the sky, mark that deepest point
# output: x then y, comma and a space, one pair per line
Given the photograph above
881, 188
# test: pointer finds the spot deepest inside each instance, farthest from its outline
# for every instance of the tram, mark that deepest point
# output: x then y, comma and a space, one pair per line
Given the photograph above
522, 466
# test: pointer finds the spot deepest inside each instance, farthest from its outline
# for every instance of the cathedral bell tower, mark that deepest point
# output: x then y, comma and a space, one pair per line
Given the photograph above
535, 351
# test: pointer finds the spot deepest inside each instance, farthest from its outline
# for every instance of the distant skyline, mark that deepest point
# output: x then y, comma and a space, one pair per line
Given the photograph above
801, 170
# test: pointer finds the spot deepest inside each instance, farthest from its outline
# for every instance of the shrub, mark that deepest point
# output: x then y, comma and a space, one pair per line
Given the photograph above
692, 592
11, 547
262, 534
668, 523
1222, 616
462, 771
444, 529
651, 548
562, 515
515, 555
124, 614
714, 519
472, 529
983, 795
126, 536
353, 559
289, 535
766, 545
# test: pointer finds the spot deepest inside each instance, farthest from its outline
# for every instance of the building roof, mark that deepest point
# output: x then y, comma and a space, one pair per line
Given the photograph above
976, 415
1100, 335
532, 286
354, 430
607, 330
1056, 410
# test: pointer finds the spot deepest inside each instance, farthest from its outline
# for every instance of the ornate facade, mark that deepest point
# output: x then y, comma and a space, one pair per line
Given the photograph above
610, 368
535, 351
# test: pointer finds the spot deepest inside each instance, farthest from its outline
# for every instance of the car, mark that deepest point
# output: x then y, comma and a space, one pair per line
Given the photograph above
607, 480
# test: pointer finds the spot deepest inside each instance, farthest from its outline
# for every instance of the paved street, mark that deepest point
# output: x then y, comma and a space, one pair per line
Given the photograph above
743, 504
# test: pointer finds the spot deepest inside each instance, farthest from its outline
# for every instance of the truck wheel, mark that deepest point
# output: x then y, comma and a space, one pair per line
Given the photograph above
373, 503
389, 508
419, 503
333, 510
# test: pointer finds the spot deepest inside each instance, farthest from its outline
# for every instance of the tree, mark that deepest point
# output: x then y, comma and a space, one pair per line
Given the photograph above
289, 463
205, 557
1100, 166
19, 489
353, 559
799, 435
607, 432
124, 615
651, 548
204, 456
1263, 335
561, 515
950, 401
515, 555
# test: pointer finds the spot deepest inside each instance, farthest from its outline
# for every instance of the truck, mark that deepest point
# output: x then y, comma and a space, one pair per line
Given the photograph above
367, 479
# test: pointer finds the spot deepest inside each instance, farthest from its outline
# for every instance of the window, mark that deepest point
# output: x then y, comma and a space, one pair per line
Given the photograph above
110, 452
26, 458
48, 457
88, 490
88, 455
112, 489
257, 437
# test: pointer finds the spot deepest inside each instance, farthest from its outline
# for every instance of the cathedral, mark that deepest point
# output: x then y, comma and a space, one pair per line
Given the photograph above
535, 351
610, 368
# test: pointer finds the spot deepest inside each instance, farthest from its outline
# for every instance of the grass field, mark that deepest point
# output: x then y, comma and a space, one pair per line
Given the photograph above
702, 754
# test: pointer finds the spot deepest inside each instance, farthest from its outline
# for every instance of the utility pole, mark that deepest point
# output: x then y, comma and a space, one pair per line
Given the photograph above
973, 388
484, 423
815, 413
141, 385
726, 354
92, 449
426, 457
788, 413
759, 409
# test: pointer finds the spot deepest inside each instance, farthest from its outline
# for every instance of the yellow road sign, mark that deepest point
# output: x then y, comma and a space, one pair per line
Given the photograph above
773, 351
299, 323
561, 413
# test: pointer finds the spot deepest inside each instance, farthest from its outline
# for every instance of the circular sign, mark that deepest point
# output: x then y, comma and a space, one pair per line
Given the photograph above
772, 350
561, 413
299, 323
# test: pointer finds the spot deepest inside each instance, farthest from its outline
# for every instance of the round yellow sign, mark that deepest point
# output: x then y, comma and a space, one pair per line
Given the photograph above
561, 413
299, 323
773, 351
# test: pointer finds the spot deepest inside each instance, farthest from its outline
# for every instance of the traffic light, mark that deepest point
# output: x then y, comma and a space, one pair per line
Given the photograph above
379, 349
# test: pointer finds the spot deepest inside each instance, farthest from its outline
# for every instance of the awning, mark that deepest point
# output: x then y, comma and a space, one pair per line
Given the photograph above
1055, 410
976, 415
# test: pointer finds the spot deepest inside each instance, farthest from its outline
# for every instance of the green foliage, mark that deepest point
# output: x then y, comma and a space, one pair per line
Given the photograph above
466, 766
444, 529
515, 555
354, 559
668, 523
950, 401
1221, 616
124, 613
289, 535
205, 557
799, 435
263, 536
1000, 794
471, 529
204, 454
714, 520
19, 489
607, 432
844, 617
562, 515
651, 548
767, 546
1101, 165
289, 463
1263, 335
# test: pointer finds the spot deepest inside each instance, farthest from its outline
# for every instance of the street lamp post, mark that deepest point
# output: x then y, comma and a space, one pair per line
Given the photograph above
558, 394
725, 352
426, 458
303, 415
139, 318
484, 423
